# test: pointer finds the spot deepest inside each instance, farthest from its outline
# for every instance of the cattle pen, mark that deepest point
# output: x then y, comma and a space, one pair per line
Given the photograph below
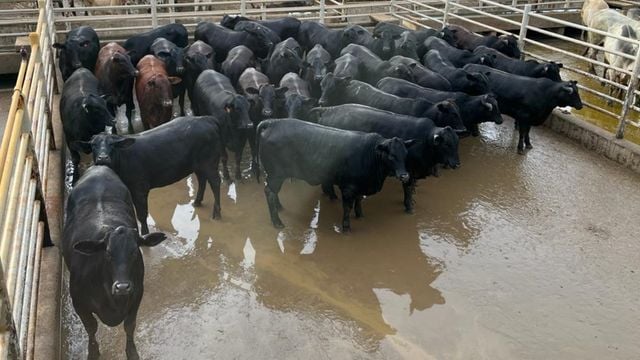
377, 309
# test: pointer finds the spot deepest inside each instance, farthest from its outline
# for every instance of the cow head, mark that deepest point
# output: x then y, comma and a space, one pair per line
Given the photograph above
76, 52
551, 70
120, 247
96, 109
508, 45
477, 83
237, 109
448, 114
198, 58
407, 44
568, 94
356, 34
230, 22
317, 63
489, 108
445, 143
104, 147
400, 71
121, 64
393, 153
170, 54
447, 35
268, 95
298, 106
262, 38
388, 40
332, 87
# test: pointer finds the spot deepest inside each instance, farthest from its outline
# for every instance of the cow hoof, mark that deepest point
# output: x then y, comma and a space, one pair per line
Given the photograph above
216, 216
529, 146
197, 203
521, 151
278, 225
408, 210
346, 229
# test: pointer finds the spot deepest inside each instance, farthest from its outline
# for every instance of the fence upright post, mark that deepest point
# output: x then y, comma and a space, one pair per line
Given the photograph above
629, 98
243, 7
263, 8
445, 15
154, 13
171, 11
322, 9
523, 29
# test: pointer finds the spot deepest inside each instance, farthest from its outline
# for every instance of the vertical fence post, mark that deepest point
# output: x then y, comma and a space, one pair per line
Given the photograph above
154, 13
322, 9
523, 29
243, 7
392, 7
445, 15
263, 8
171, 11
629, 98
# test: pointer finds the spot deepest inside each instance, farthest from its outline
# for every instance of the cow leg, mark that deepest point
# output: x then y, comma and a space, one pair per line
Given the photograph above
202, 185
91, 326
409, 189
521, 134
473, 129
181, 102
142, 211
224, 156
328, 190
358, 207
130, 107
238, 154
210, 173
255, 167
129, 329
347, 205
527, 141
271, 191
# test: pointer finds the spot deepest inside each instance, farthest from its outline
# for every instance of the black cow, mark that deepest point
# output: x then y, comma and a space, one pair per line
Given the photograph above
528, 100
138, 45
83, 111
465, 39
358, 163
315, 67
198, 58
337, 91
372, 68
457, 57
312, 33
283, 59
80, 49
173, 58
222, 40
162, 156
391, 28
384, 45
530, 68
473, 109
261, 95
214, 95
433, 145
407, 45
255, 26
423, 35
116, 75
100, 246
285, 27
346, 65
460, 80
298, 100
422, 75
239, 59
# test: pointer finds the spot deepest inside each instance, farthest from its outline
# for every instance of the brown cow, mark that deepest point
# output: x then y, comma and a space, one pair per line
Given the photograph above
115, 74
153, 90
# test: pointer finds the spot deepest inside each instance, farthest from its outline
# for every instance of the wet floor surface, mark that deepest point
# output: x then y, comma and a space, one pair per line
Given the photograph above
508, 257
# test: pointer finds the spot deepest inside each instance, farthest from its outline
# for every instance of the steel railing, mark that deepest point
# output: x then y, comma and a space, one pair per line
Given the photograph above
624, 111
24, 156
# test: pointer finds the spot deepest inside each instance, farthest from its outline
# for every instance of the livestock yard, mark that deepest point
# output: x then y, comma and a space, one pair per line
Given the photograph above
485, 241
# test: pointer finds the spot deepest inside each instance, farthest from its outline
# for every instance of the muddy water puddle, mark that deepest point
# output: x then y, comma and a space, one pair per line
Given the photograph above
508, 257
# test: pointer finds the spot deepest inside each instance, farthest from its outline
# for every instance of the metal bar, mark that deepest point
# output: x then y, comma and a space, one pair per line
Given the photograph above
16, 99
322, 11
154, 13
31, 330
628, 100
26, 314
243, 7
445, 15
523, 29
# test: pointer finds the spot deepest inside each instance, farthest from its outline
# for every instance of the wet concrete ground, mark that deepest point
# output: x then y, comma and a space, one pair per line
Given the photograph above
508, 257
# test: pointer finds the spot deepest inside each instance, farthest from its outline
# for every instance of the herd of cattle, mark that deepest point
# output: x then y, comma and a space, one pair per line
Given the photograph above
344, 108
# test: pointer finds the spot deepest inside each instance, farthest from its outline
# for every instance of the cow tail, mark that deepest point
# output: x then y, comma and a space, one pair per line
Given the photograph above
261, 126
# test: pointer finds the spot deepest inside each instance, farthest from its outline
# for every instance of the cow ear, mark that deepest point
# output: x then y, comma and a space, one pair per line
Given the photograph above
251, 91
174, 80
560, 65
89, 247
152, 239
409, 143
442, 107
124, 142
383, 147
58, 46
546, 68
81, 146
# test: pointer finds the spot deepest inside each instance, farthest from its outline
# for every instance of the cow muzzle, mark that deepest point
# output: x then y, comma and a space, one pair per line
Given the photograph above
103, 160
76, 65
180, 70
404, 177
267, 113
120, 288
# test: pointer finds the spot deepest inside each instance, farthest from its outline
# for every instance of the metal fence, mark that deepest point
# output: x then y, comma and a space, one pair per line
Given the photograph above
624, 110
24, 156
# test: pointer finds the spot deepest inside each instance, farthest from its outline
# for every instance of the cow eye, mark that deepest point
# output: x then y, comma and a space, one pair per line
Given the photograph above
85, 44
